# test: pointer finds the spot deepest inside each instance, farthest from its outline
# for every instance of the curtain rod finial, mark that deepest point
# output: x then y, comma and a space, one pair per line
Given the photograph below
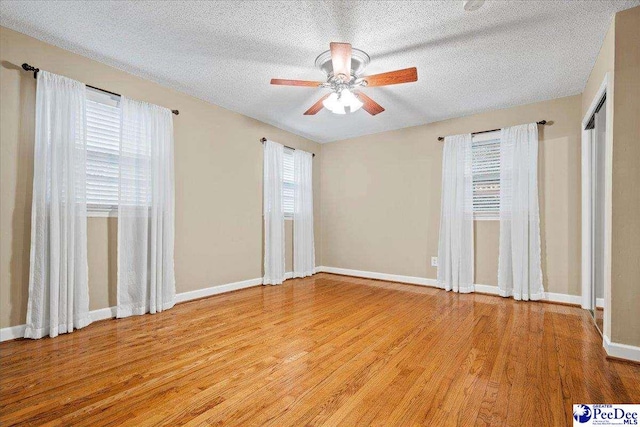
263, 140
28, 67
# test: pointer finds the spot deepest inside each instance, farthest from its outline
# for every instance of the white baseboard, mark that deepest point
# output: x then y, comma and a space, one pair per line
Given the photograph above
424, 281
102, 313
548, 296
563, 298
379, 276
486, 289
621, 351
12, 332
215, 290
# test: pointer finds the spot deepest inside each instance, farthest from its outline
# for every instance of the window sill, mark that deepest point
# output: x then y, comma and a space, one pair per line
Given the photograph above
104, 214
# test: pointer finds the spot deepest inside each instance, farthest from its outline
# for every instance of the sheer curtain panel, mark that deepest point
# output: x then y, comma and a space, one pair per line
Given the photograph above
519, 272
58, 284
455, 246
273, 214
146, 280
304, 260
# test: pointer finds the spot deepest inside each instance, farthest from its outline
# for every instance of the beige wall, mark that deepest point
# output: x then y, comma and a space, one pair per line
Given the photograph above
218, 166
381, 197
604, 64
625, 228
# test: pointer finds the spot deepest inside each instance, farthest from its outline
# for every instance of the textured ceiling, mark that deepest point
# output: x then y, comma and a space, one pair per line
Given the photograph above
505, 54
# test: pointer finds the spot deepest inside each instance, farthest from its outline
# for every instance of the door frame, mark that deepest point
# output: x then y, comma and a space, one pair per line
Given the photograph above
606, 89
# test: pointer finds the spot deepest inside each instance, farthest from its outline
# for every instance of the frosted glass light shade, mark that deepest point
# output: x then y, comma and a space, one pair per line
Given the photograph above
331, 101
337, 103
348, 99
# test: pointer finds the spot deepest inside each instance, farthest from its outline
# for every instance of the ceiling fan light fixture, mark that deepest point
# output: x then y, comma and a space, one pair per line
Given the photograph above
337, 103
343, 65
331, 101
348, 99
333, 104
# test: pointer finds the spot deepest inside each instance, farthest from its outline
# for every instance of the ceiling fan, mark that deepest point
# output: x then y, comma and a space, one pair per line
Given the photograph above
343, 66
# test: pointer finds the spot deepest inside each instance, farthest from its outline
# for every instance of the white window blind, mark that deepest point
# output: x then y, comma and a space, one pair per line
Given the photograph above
103, 151
288, 184
486, 176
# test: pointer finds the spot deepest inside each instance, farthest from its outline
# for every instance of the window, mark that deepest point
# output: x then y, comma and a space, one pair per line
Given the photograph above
103, 153
486, 175
288, 184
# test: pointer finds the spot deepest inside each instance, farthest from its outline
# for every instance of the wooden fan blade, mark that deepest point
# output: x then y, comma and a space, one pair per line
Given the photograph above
316, 107
370, 106
284, 82
392, 77
341, 59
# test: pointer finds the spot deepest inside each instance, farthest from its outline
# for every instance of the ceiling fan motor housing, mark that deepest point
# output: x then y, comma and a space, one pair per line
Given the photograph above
359, 61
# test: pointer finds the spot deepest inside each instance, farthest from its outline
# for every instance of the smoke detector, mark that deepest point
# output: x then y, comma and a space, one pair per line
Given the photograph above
471, 5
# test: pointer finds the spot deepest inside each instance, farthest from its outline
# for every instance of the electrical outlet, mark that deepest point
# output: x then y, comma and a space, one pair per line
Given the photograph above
434, 261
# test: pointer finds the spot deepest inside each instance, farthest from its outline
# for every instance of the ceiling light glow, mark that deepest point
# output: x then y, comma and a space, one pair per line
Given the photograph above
337, 103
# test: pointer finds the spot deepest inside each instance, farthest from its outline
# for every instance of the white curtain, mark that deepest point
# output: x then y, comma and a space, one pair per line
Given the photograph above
519, 272
146, 280
58, 285
304, 260
273, 214
455, 246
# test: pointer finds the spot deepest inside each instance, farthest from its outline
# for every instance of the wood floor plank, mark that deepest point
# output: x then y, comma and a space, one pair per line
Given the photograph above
325, 350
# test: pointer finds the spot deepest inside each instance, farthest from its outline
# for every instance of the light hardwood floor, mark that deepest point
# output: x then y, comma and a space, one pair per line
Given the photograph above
326, 350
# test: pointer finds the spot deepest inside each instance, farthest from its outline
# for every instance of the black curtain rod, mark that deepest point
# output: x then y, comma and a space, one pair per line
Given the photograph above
263, 140
541, 122
35, 70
